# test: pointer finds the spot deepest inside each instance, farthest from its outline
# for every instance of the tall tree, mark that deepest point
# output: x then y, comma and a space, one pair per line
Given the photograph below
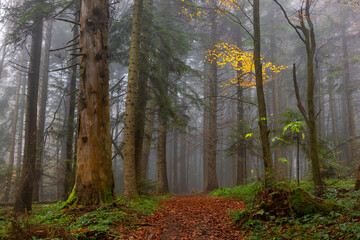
162, 185
141, 98
70, 117
94, 178
23, 202
264, 133
130, 184
212, 182
307, 36
42, 111
8, 177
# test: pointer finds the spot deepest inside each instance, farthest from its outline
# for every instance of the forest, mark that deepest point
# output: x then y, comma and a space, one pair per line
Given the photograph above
179, 119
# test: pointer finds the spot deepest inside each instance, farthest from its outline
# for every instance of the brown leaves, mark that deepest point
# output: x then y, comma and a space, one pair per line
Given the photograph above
191, 217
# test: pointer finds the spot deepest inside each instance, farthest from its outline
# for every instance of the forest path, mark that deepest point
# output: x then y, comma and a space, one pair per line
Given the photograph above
191, 217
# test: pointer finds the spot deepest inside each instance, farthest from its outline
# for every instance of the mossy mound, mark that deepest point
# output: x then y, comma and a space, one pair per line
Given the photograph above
286, 203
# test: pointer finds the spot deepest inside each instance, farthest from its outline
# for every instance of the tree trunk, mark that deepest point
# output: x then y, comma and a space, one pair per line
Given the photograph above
149, 126
68, 180
9, 174
23, 202
161, 173
42, 112
264, 133
94, 178
21, 128
206, 126
314, 146
130, 181
212, 182
241, 145
175, 159
141, 98
333, 117
355, 157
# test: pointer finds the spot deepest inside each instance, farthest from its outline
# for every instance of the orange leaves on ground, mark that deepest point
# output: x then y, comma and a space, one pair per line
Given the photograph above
241, 61
190, 217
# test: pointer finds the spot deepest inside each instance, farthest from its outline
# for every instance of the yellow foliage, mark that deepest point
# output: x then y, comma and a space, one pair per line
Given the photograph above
241, 61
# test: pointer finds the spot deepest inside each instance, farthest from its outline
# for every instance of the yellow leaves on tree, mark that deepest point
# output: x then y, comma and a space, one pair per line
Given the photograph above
241, 61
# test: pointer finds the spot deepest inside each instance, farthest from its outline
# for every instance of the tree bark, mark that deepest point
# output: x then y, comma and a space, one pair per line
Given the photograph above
94, 178
23, 202
162, 185
68, 180
42, 112
141, 98
175, 159
355, 157
130, 181
149, 126
212, 182
21, 128
206, 126
9, 174
314, 146
264, 133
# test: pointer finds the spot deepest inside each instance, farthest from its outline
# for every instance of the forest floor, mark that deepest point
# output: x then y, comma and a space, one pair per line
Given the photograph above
190, 217
217, 215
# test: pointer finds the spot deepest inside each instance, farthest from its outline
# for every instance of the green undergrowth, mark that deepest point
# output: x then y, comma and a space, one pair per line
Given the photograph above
291, 212
53, 221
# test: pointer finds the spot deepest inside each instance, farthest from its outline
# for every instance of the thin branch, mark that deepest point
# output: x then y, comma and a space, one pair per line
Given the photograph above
64, 68
67, 20
298, 98
67, 46
62, 10
291, 24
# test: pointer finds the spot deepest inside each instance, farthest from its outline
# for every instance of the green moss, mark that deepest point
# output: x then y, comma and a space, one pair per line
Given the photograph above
303, 203
108, 196
72, 198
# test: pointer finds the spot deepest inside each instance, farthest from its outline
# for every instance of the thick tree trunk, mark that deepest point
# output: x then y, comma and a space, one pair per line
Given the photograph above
94, 178
212, 182
42, 112
23, 202
141, 98
70, 118
9, 174
130, 181
264, 133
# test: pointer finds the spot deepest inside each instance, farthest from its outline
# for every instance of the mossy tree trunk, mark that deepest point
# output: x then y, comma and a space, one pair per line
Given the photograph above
70, 118
264, 133
94, 178
130, 181
23, 202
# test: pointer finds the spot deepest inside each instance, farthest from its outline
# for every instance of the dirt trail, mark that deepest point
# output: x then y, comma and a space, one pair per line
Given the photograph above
191, 217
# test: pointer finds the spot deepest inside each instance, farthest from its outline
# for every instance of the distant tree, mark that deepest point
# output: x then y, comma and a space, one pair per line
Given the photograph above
23, 202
